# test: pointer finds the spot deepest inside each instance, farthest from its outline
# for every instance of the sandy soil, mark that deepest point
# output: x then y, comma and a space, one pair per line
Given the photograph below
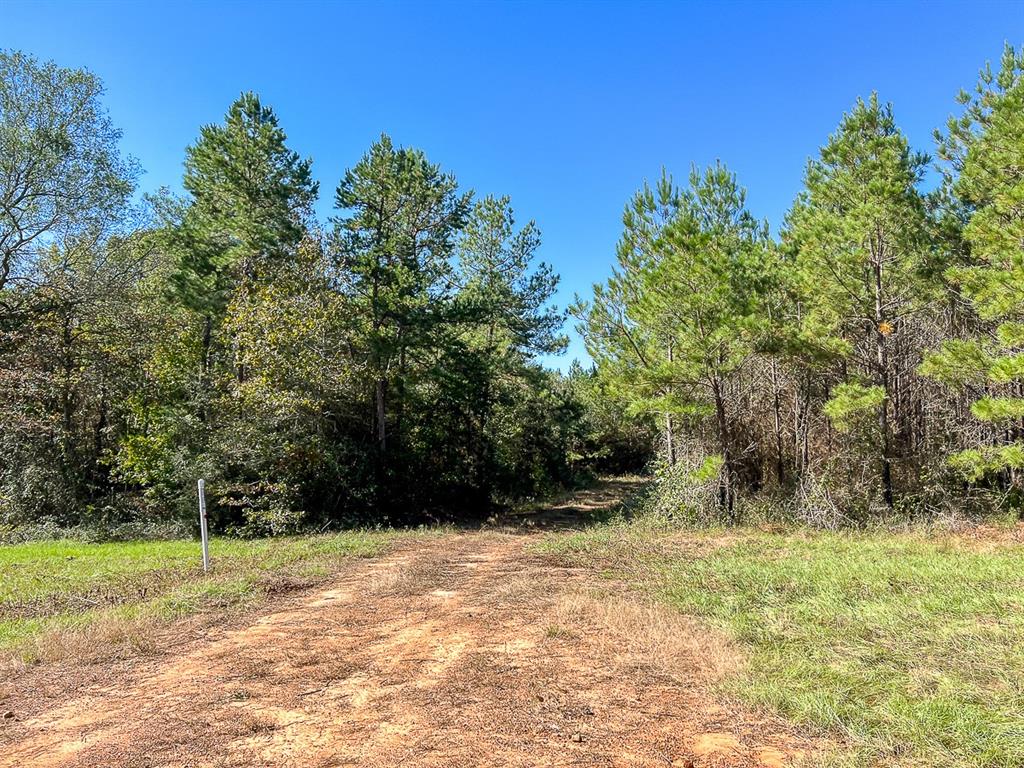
460, 650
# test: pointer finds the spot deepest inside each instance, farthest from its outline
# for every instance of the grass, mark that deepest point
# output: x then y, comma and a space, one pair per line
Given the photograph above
66, 598
906, 648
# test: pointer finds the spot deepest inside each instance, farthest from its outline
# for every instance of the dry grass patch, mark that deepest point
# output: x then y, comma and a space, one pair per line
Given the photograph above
105, 638
400, 578
640, 633
520, 590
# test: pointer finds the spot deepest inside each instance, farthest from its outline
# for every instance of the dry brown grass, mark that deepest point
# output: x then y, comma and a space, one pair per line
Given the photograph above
108, 637
519, 590
397, 580
637, 632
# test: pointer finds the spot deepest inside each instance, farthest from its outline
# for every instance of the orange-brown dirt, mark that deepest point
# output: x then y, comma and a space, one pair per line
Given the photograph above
455, 650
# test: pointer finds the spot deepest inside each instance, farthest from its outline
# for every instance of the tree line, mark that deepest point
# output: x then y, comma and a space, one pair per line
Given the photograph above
383, 366
870, 360
380, 367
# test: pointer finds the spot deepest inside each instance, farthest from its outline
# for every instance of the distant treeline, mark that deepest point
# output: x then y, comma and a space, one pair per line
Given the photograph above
870, 360
379, 367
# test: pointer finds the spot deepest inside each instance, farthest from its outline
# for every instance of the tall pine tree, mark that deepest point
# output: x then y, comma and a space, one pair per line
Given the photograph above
507, 296
860, 233
685, 311
984, 149
399, 216
250, 198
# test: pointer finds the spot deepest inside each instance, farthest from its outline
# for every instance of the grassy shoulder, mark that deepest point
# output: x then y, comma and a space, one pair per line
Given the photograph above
906, 648
63, 599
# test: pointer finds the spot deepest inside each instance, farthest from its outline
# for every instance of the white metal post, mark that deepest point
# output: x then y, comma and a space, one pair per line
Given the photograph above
202, 526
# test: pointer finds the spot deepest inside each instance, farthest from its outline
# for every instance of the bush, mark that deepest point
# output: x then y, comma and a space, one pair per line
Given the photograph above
686, 491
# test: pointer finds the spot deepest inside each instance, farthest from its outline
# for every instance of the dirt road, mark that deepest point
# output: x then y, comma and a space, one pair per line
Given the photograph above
457, 650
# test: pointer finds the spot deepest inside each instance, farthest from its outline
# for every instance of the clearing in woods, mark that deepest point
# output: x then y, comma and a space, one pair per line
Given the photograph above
466, 649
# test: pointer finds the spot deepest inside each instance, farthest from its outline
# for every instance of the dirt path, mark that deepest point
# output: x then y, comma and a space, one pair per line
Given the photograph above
461, 650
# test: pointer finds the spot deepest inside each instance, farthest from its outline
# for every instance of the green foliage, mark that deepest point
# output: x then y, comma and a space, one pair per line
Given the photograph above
976, 463
984, 150
395, 235
686, 307
62, 178
611, 439
384, 372
499, 278
860, 226
394, 239
958, 362
235, 245
998, 408
686, 491
851, 403
862, 243
388, 369
64, 192
683, 307
506, 320
249, 197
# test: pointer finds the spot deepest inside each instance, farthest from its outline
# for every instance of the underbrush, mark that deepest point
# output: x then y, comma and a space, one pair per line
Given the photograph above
65, 598
95, 534
906, 648
689, 493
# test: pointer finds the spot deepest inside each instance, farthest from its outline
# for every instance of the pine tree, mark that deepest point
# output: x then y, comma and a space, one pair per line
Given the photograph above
496, 262
618, 337
507, 296
984, 151
250, 198
395, 237
685, 311
860, 232
247, 209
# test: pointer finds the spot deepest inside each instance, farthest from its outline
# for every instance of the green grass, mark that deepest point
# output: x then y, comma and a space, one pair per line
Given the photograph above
54, 589
907, 649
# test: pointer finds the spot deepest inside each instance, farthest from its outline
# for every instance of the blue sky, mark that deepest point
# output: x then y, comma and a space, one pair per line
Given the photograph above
566, 107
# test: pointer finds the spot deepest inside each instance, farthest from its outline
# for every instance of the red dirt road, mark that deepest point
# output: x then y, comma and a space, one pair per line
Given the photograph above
457, 650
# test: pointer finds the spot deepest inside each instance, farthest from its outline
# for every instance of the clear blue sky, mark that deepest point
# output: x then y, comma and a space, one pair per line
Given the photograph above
566, 107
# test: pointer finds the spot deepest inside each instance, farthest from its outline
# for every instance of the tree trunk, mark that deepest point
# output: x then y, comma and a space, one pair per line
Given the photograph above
882, 377
483, 449
66, 393
780, 469
670, 440
801, 421
204, 366
670, 444
725, 485
100, 426
382, 426
398, 401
